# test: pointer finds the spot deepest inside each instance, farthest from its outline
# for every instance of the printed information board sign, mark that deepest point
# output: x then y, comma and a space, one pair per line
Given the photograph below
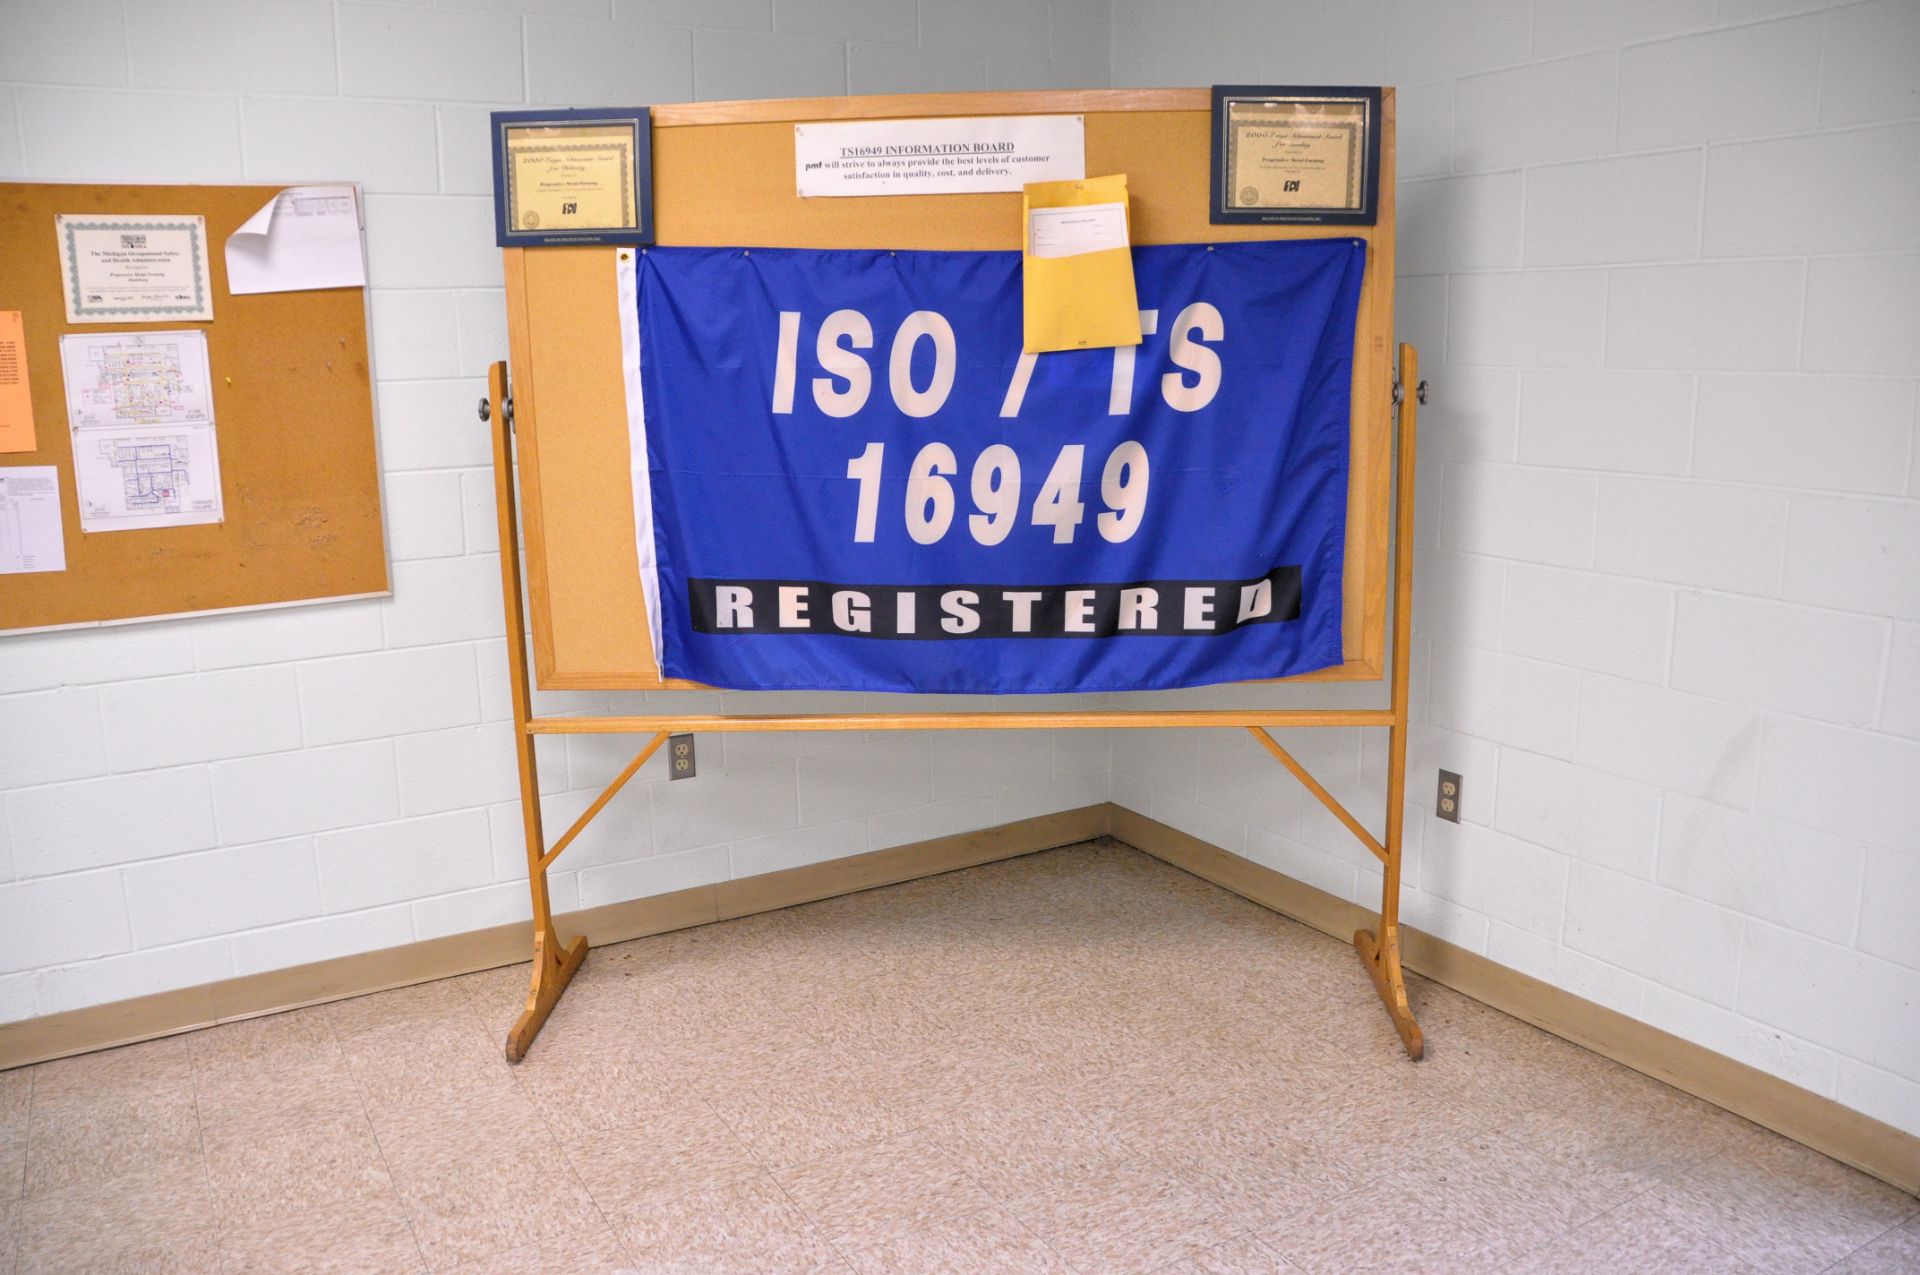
967, 155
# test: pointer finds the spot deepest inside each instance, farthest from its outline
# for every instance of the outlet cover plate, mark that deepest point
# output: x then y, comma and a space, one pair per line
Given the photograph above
680, 760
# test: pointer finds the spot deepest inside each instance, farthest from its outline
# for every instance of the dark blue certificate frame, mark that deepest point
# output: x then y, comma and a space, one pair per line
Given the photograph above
1225, 206
638, 178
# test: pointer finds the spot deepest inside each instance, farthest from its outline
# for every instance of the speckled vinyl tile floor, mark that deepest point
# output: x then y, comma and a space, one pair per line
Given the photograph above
1078, 1061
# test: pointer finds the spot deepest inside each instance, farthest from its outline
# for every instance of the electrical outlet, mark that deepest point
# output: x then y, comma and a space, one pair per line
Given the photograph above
1447, 803
679, 757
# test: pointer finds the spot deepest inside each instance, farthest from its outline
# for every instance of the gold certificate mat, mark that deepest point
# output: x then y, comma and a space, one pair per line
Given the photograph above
571, 178
1281, 157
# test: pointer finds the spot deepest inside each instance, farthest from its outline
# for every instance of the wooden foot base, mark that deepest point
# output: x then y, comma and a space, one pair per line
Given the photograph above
1383, 967
553, 968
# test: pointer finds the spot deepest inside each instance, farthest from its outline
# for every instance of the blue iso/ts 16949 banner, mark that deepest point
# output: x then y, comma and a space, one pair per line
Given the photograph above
847, 476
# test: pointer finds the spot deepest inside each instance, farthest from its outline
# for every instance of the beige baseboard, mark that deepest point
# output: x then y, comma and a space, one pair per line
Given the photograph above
80, 1031
1867, 1144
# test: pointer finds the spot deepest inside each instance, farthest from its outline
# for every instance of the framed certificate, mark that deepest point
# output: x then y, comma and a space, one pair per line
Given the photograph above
573, 177
1292, 154
127, 268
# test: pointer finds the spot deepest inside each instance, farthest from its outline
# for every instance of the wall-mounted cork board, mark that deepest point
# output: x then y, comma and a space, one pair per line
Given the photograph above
293, 408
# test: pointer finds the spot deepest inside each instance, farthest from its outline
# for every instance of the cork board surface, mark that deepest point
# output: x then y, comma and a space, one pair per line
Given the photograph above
293, 409
723, 176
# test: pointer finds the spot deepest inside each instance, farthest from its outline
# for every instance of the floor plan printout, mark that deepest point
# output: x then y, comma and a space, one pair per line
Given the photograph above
144, 449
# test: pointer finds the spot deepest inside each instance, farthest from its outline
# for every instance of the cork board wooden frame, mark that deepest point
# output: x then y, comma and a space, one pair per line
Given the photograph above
293, 407
723, 177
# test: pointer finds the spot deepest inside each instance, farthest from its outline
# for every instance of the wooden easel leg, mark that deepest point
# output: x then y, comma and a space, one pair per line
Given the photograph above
554, 962
1380, 953
553, 968
1382, 960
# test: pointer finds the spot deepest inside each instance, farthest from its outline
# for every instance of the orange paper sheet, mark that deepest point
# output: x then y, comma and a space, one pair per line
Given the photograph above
16, 399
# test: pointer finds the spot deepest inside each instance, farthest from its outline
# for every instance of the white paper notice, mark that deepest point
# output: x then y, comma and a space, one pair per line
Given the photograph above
307, 237
140, 405
30, 538
968, 155
121, 268
1083, 228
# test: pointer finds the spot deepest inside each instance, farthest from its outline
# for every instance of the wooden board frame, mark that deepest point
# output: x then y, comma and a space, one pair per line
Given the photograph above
723, 176
563, 331
291, 385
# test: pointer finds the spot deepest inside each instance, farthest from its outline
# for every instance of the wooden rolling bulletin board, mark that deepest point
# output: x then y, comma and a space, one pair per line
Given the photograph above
723, 176
293, 408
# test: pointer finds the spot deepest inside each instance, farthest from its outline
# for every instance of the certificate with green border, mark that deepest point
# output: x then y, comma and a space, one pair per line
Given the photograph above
127, 268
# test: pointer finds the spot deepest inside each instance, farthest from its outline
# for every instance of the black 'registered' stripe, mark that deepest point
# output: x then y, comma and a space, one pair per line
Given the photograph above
956, 612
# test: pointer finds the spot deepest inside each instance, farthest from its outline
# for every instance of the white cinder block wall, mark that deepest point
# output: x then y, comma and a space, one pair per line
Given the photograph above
191, 800
1660, 261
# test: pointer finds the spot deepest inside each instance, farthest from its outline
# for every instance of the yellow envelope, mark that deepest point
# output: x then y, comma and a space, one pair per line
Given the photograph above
1078, 266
